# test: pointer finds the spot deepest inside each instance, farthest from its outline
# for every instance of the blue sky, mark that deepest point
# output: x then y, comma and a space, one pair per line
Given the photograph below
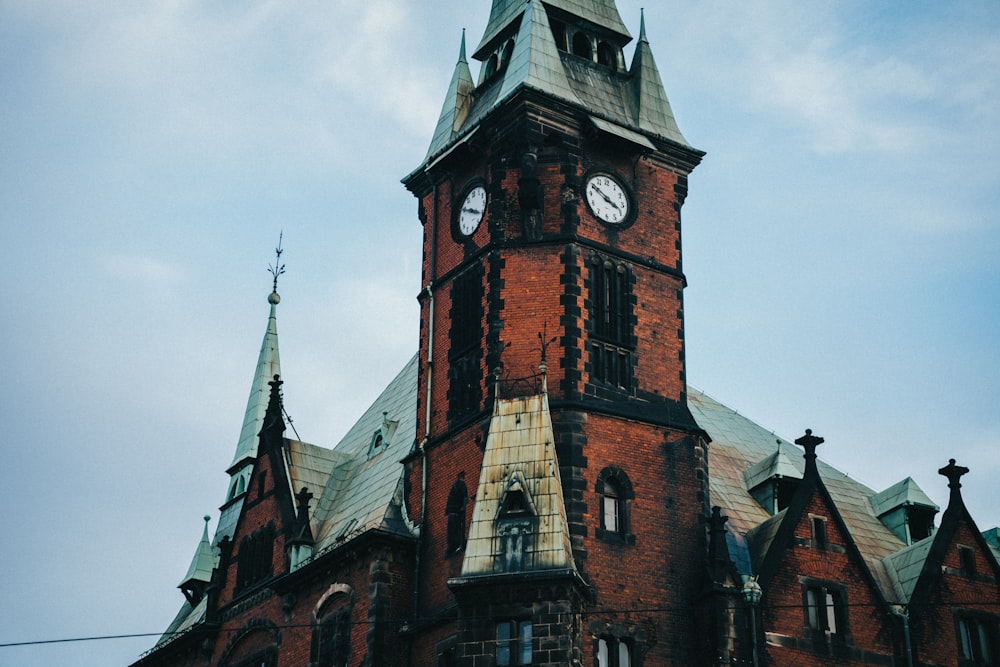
841, 245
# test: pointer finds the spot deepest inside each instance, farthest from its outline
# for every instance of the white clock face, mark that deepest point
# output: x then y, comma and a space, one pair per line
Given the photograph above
607, 199
473, 210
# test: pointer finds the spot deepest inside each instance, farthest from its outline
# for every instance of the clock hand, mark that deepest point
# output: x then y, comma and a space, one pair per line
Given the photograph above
471, 210
606, 198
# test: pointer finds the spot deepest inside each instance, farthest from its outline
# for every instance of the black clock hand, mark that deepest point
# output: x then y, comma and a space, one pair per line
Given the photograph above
606, 198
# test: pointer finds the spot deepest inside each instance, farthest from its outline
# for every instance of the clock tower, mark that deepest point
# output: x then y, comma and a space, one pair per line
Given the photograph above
550, 200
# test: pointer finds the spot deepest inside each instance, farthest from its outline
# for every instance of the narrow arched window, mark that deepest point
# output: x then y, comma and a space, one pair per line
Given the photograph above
458, 500
615, 496
332, 633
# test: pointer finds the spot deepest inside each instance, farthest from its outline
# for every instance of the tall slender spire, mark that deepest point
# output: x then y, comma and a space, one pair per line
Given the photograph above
268, 365
652, 108
456, 103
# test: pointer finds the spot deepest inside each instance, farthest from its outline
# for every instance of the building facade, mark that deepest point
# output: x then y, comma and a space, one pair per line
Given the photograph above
539, 485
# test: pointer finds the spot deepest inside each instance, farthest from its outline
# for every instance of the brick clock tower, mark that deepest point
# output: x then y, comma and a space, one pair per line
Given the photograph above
559, 479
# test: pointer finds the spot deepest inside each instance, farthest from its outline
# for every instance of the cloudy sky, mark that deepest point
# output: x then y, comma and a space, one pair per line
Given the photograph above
841, 244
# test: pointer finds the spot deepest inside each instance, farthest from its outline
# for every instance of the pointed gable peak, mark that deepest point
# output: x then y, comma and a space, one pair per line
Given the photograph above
809, 443
519, 517
273, 418
954, 473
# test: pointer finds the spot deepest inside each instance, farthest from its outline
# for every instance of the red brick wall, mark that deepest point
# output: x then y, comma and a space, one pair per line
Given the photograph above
869, 624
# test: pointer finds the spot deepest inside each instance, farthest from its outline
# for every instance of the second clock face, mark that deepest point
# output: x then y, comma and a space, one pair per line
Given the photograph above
472, 211
607, 199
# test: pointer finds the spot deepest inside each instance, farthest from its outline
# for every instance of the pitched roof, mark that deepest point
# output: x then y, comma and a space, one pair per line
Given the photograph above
602, 13
362, 490
519, 459
739, 445
631, 104
903, 493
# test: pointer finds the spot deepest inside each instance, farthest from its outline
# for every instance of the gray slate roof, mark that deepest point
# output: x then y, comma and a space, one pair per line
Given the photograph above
363, 490
632, 101
603, 13
738, 445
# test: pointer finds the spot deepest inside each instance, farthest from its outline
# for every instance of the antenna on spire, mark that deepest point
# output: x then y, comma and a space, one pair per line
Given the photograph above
278, 267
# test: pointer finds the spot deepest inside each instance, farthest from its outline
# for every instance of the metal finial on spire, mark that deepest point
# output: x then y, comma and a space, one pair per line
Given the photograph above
278, 267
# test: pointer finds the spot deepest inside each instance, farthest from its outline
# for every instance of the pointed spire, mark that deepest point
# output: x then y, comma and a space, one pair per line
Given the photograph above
268, 366
199, 573
456, 103
652, 112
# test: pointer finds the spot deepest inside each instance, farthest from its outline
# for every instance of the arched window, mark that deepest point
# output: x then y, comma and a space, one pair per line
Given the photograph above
615, 496
508, 49
255, 558
331, 643
491, 67
582, 46
458, 500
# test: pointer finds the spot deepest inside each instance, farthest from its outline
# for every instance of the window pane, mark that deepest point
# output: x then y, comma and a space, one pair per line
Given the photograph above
525, 643
624, 659
611, 514
831, 613
602, 653
812, 609
503, 643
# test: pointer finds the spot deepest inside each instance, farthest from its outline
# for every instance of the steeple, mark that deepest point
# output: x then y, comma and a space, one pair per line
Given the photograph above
456, 103
268, 365
199, 574
652, 108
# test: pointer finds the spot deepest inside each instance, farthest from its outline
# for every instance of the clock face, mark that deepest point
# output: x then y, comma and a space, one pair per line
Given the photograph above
607, 199
472, 211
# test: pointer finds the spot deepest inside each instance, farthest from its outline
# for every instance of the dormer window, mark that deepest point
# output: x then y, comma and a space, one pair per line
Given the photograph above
905, 510
773, 481
377, 444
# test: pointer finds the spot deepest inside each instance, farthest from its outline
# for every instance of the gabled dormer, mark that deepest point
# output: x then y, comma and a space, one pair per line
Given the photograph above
519, 519
942, 583
905, 510
772, 481
819, 595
